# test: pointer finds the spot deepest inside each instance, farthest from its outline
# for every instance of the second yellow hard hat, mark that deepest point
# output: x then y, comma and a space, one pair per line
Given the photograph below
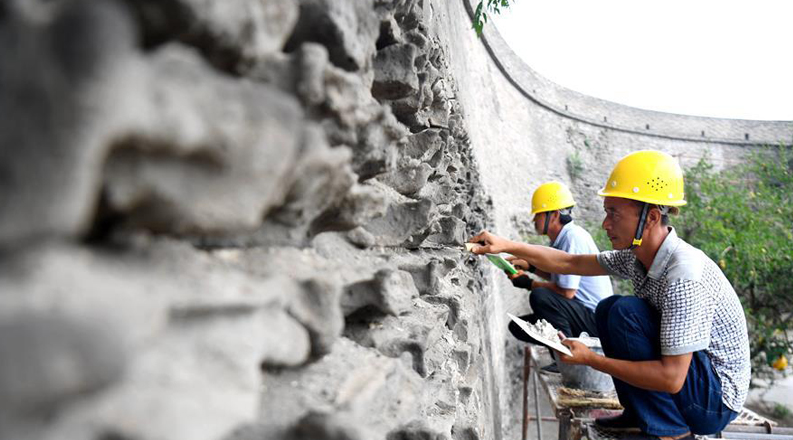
551, 196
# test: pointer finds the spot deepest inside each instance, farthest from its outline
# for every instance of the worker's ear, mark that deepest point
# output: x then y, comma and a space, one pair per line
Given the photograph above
653, 218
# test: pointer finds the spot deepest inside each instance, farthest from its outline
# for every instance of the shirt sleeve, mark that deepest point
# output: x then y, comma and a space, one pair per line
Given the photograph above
567, 281
686, 318
572, 245
617, 263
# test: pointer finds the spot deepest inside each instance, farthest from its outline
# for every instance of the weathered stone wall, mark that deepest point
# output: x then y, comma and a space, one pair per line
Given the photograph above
243, 219
237, 220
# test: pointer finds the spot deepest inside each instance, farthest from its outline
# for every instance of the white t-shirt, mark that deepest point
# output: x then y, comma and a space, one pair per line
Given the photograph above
574, 239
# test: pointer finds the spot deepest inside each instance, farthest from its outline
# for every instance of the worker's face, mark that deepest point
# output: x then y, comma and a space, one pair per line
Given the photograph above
622, 217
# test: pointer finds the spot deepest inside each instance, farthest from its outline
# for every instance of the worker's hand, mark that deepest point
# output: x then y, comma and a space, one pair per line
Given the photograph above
517, 262
489, 243
522, 281
581, 353
512, 276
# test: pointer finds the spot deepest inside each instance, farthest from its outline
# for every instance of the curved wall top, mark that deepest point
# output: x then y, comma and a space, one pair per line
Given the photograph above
602, 113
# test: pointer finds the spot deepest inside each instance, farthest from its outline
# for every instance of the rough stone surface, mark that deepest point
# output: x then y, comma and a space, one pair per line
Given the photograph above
184, 172
389, 292
395, 75
348, 29
405, 223
377, 392
322, 178
413, 333
317, 308
243, 219
229, 33
61, 83
47, 359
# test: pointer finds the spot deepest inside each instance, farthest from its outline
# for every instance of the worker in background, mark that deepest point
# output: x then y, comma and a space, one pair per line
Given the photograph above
566, 301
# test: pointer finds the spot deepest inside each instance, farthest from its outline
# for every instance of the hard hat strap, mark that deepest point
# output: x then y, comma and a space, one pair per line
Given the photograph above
637, 241
547, 220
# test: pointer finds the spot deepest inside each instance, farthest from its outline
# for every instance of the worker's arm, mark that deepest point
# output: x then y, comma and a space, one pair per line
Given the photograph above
667, 374
522, 280
542, 274
524, 265
545, 258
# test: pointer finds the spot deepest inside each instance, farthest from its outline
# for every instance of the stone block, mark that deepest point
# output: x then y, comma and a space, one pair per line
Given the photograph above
404, 223
427, 275
423, 145
47, 359
322, 426
390, 33
361, 238
204, 162
452, 302
412, 332
311, 67
229, 33
390, 291
413, 14
67, 77
322, 177
359, 206
416, 430
347, 29
463, 359
440, 192
350, 383
395, 73
285, 342
409, 176
196, 331
317, 307
452, 233
461, 432
375, 151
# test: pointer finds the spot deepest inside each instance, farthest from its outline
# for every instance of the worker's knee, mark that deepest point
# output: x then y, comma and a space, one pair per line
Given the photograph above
517, 332
625, 320
603, 307
627, 310
541, 299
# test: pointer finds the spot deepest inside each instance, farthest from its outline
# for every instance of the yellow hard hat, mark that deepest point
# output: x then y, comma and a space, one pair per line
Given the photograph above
647, 176
551, 196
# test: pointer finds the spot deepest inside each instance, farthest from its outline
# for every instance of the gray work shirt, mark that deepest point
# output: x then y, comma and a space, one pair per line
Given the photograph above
574, 239
698, 306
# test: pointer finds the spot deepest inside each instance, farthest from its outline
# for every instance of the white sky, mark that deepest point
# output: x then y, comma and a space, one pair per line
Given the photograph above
729, 59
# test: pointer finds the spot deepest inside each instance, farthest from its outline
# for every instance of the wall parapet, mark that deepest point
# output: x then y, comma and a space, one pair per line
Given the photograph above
606, 114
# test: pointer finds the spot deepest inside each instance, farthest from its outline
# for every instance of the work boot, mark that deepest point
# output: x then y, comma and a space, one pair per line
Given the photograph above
622, 422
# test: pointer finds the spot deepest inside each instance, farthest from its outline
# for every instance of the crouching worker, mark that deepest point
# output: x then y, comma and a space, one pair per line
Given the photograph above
678, 350
566, 301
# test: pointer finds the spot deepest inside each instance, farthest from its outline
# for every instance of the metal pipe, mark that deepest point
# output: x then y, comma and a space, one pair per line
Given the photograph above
544, 419
536, 394
526, 370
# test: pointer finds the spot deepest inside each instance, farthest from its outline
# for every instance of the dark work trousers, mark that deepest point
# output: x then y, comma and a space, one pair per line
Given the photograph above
569, 316
629, 329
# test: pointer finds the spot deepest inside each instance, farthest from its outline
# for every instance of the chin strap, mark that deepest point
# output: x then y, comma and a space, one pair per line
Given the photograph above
637, 241
547, 220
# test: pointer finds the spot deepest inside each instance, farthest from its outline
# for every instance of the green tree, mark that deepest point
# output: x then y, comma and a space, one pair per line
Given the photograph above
742, 218
483, 8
